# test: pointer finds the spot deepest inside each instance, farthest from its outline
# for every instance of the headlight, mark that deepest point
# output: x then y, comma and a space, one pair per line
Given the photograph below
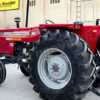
33, 33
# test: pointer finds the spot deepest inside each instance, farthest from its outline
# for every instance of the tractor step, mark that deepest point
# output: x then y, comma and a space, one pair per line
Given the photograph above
9, 60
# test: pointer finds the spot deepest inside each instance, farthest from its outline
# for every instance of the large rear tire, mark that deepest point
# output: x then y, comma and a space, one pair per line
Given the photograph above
97, 61
66, 51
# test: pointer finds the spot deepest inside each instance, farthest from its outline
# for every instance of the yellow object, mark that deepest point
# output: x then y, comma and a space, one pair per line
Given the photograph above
9, 4
94, 30
26, 54
16, 39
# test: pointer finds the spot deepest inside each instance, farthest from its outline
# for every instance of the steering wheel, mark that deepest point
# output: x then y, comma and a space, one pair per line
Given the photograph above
46, 21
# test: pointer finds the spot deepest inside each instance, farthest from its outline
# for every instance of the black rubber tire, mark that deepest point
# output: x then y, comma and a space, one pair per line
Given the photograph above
96, 84
82, 64
2, 72
24, 69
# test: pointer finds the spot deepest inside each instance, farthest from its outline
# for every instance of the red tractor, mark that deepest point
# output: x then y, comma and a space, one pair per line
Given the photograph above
62, 60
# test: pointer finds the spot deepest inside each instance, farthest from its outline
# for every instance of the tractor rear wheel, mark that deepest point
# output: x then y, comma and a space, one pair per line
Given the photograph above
2, 72
61, 66
97, 61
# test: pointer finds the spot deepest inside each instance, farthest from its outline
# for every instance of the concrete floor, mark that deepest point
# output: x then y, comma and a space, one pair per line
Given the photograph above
17, 87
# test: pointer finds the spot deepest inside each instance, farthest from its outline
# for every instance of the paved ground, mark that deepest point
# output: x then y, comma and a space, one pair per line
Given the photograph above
17, 87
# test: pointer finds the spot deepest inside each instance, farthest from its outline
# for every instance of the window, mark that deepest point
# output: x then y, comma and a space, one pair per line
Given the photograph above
54, 1
32, 2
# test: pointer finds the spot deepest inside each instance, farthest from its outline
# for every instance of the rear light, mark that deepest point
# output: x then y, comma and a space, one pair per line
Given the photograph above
78, 25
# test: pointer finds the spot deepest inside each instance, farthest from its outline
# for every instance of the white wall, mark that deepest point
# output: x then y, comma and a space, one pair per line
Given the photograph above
62, 12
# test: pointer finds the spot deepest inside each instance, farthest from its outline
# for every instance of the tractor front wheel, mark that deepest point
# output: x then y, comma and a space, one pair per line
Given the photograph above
2, 72
61, 66
25, 69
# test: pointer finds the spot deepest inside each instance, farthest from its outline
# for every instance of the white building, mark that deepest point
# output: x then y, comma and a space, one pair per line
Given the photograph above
59, 11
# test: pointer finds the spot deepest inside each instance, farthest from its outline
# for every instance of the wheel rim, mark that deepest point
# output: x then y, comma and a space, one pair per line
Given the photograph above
54, 68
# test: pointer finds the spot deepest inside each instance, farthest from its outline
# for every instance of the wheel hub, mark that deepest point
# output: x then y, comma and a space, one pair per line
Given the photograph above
57, 67
54, 70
